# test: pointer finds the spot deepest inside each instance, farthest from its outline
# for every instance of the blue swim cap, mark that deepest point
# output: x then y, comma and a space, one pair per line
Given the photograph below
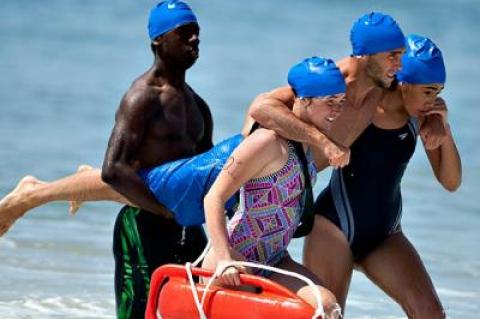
375, 32
168, 15
316, 77
422, 63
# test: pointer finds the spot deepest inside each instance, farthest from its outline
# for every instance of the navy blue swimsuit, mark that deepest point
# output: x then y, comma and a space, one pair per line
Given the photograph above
364, 199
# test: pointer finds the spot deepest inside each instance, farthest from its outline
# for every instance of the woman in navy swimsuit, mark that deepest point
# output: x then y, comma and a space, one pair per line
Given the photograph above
358, 221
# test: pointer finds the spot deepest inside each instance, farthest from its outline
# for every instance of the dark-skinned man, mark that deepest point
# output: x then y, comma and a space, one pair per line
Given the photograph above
160, 119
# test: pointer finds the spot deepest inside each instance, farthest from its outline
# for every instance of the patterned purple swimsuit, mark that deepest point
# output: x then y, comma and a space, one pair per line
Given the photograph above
269, 212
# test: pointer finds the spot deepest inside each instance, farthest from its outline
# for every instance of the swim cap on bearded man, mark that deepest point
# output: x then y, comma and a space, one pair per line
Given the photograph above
422, 62
316, 77
168, 15
375, 32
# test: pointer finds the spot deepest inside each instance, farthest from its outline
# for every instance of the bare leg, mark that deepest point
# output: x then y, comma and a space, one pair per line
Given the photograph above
332, 309
75, 205
327, 254
397, 269
31, 192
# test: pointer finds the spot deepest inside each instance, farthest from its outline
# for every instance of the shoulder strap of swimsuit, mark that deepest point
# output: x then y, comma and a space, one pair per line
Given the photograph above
307, 219
255, 126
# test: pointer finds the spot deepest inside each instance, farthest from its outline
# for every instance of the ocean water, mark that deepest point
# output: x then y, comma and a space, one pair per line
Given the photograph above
64, 65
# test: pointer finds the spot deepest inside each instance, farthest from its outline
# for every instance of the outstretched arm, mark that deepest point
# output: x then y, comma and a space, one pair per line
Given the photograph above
441, 148
273, 110
119, 169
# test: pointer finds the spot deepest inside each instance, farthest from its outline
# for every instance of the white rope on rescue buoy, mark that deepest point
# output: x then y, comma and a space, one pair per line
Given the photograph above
319, 311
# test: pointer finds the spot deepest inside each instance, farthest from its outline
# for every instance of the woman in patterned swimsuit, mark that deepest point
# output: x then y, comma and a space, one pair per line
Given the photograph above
267, 171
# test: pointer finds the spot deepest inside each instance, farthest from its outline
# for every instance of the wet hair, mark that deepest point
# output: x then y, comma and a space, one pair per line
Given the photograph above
306, 100
294, 92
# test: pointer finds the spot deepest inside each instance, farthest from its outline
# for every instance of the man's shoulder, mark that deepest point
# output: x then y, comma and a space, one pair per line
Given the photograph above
141, 90
195, 95
140, 96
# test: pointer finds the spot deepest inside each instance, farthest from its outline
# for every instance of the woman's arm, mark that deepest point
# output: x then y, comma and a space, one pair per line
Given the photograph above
445, 159
250, 158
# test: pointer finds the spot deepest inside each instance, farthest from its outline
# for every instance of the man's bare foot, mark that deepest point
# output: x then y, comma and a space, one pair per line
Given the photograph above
16, 203
75, 205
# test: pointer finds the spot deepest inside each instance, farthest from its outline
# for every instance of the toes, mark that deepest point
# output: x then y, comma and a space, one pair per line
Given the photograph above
74, 206
84, 167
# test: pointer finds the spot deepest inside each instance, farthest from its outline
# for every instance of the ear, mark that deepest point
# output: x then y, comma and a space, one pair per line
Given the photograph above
304, 102
404, 88
157, 40
156, 45
364, 57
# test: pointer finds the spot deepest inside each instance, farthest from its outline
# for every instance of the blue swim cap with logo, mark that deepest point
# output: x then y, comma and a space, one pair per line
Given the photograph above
316, 77
422, 62
375, 32
168, 15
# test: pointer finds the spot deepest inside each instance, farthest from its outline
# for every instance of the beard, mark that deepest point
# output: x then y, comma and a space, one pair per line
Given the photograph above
374, 71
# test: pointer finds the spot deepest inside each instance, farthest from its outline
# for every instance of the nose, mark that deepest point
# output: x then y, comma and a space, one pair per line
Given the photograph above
397, 64
430, 102
194, 39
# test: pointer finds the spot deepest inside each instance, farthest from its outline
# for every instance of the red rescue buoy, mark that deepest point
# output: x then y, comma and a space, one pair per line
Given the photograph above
171, 295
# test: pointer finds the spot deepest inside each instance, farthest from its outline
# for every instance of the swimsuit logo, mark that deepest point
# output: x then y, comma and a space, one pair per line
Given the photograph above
403, 136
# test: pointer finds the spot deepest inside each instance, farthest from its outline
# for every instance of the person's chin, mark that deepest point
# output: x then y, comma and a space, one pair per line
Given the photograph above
386, 83
379, 82
190, 62
413, 112
194, 54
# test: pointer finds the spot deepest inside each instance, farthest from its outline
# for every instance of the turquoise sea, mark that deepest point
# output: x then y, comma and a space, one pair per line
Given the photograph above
65, 64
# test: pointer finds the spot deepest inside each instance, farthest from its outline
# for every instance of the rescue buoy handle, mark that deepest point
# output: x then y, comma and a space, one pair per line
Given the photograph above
158, 279
171, 270
319, 311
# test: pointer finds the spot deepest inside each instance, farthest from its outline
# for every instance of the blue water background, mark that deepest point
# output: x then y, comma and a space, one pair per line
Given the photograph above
65, 64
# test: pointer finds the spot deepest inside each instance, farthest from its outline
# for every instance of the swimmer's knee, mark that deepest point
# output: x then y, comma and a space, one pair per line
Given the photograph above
330, 305
329, 301
328, 298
